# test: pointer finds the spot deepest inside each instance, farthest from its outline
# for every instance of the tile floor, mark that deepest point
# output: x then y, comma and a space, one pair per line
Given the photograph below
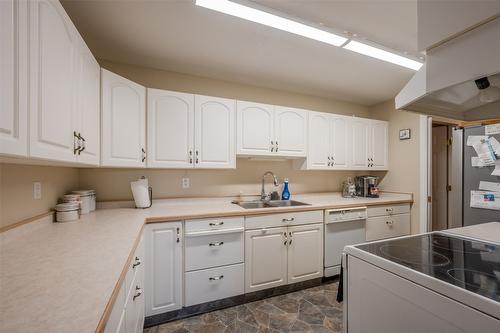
309, 310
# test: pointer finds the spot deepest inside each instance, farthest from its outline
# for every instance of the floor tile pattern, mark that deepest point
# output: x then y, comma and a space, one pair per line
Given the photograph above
309, 310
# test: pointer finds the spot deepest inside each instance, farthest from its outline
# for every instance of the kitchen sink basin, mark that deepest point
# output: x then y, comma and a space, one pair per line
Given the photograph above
269, 204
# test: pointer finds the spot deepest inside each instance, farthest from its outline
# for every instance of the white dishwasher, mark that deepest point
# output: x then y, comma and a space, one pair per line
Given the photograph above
342, 227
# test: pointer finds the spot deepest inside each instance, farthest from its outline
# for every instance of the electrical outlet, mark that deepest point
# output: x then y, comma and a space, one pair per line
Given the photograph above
185, 183
37, 190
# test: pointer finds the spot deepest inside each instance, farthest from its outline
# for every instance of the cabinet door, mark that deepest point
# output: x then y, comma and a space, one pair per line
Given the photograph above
170, 129
255, 128
318, 154
379, 144
13, 78
88, 104
265, 259
214, 132
305, 252
123, 122
290, 128
163, 269
340, 142
360, 134
52, 82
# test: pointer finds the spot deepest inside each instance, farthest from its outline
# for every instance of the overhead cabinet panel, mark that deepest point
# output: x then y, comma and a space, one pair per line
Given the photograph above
360, 137
123, 122
290, 128
320, 139
13, 76
52, 92
214, 132
379, 145
341, 145
255, 125
170, 129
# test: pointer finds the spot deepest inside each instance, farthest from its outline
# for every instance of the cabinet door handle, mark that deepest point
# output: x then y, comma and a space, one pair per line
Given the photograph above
190, 157
137, 262
272, 146
138, 292
291, 239
81, 143
76, 143
286, 238
215, 278
196, 159
178, 235
290, 219
276, 146
143, 155
216, 244
214, 224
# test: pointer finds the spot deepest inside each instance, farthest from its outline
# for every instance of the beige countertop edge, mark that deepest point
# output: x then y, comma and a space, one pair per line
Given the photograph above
264, 211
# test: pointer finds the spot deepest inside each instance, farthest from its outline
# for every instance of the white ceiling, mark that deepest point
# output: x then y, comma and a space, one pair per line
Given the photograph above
181, 37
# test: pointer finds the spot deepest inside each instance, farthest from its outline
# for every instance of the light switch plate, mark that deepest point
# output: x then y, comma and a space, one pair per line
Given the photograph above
185, 183
37, 190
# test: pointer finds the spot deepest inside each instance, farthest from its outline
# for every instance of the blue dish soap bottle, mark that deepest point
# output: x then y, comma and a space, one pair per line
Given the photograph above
285, 195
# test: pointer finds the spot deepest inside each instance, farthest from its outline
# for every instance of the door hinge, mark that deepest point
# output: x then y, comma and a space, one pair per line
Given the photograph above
429, 199
450, 141
448, 188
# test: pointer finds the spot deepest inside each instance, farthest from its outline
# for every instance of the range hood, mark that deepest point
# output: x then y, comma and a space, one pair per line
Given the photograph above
460, 79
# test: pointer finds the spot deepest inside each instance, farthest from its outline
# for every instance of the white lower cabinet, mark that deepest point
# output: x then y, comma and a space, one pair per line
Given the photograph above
265, 258
276, 256
305, 252
164, 282
127, 314
387, 221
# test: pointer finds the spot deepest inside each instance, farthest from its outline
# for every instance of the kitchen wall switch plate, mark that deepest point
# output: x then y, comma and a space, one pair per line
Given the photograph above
185, 183
37, 190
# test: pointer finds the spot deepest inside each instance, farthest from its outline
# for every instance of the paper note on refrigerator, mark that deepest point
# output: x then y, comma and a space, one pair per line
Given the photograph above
476, 162
473, 139
489, 186
492, 129
495, 145
485, 200
485, 152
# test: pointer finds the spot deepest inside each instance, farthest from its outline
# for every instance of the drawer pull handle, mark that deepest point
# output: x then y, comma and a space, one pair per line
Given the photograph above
389, 210
137, 262
390, 223
290, 219
138, 292
212, 224
215, 278
216, 244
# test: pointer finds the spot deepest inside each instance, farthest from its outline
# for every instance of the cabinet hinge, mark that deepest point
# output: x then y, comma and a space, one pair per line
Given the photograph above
429, 199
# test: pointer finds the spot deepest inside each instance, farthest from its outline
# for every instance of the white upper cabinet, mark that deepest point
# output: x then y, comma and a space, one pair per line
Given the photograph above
214, 132
255, 128
88, 105
320, 140
341, 145
123, 121
360, 141
379, 145
52, 75
170, 129
290, 131
13, 78
267, 130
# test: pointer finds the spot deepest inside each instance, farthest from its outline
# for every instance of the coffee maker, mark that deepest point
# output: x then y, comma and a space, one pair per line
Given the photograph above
367, 186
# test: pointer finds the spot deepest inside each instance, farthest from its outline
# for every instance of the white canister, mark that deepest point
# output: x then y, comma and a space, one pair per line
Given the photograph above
68, 211
71, 198
86, 199
92, 201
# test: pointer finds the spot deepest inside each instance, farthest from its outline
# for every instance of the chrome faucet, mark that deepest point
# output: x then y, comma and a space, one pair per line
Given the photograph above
263, 195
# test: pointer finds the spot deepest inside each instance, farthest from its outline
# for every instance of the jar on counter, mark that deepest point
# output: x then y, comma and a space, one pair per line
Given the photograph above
68, 211
92, 201
86, 200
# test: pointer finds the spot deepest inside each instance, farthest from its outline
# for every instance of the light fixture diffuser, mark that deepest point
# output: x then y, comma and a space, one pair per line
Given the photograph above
375, 52
271, 20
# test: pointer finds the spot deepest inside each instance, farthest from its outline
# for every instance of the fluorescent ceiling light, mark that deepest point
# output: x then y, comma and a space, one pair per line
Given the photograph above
383, 55
271, 20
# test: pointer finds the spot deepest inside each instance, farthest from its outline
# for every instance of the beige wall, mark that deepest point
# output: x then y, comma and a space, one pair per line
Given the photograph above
16, 190
404, 171
154, 78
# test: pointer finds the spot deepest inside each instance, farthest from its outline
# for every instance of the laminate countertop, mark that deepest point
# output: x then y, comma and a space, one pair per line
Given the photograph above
59, 277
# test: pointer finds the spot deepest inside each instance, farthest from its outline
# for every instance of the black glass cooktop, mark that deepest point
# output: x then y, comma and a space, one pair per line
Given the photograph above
471, 265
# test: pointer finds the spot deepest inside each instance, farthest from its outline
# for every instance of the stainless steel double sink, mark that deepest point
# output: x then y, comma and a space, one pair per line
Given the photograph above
269, 204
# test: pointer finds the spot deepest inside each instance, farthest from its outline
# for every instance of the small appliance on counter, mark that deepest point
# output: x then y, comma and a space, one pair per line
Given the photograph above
367, 186
142, 192
348, 188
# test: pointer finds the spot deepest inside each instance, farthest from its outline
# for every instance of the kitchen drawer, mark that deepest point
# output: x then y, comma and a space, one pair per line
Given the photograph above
344, 215
214, 250
283, 219
388, 210
214, 283
221, 223
387, 226
135, 264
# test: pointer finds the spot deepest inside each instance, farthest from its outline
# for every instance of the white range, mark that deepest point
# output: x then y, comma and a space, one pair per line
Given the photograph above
435, 282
